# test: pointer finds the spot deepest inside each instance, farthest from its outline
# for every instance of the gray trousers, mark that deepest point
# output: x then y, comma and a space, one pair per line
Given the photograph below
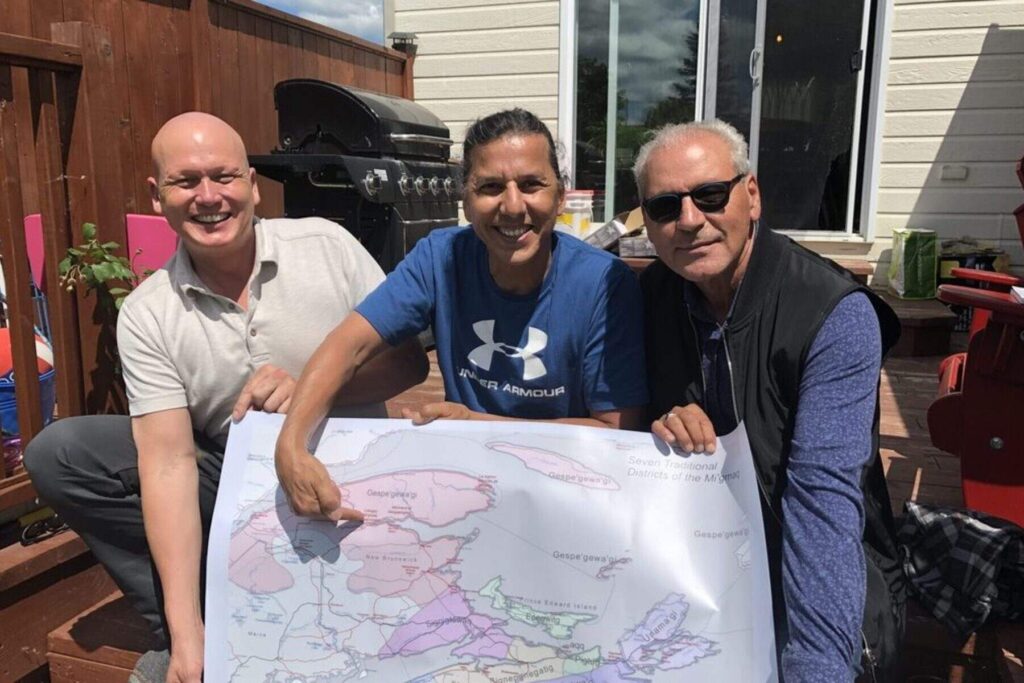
86, 469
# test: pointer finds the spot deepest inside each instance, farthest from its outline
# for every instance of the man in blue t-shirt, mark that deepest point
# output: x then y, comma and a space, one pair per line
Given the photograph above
564, 350
528, 324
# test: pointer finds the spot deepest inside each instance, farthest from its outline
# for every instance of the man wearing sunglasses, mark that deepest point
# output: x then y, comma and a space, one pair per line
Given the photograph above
744, 325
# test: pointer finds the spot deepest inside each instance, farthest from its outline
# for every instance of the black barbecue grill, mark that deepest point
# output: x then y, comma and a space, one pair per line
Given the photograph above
374, 163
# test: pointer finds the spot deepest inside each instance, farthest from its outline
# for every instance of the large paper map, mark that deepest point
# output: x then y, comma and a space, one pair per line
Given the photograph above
492, 552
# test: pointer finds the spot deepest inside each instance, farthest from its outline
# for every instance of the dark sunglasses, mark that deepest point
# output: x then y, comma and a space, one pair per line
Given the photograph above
709, 198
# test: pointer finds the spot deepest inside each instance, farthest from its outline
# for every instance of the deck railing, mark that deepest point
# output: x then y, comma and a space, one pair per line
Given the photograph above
39, 82
78, 108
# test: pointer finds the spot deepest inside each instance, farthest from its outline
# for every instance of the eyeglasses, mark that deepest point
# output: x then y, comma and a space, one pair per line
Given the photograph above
709, 198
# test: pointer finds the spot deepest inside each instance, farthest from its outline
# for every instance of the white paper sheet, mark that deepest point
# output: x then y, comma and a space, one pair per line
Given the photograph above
500, 552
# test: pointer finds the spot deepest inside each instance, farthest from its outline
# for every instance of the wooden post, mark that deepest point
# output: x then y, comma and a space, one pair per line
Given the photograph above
51, 150
408, 83
202, 72
16, 268
97, 179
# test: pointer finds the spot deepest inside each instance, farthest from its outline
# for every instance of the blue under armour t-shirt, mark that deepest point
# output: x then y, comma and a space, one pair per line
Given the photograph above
573, 346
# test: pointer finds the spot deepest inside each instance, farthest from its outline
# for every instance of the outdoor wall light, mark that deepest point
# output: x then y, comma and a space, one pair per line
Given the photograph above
403, 42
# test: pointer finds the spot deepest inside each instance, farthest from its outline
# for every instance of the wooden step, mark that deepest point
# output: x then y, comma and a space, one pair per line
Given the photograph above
860, 268
100, 645
35, 584
49, 585
19, 563
15, 490
927, 325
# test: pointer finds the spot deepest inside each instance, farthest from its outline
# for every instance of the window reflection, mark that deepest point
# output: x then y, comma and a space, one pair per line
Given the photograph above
807, 113
734, 85
655, 74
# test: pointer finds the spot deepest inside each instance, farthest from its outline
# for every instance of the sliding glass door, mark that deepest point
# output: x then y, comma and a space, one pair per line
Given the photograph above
809, 124
735, 29
787, 74
637, 68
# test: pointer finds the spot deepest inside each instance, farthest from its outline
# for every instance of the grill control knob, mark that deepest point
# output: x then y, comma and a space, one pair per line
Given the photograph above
435, 186
449, 186
420, 184
405, 184
372, 183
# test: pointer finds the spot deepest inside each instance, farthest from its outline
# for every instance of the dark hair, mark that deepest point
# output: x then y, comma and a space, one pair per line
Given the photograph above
508, 122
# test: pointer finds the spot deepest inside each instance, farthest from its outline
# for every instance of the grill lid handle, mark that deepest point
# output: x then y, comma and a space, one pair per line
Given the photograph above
423, 139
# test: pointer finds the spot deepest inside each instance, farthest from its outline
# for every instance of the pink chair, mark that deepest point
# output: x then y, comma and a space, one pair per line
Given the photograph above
34, 244
37, 266
154, 240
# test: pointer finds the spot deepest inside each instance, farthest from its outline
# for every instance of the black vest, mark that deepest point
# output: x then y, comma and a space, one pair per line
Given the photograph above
786, 294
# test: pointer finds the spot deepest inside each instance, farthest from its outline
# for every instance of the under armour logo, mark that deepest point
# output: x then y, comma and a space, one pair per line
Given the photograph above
482, 355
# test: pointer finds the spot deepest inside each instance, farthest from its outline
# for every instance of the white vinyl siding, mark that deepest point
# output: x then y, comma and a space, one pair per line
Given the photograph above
476, 58
954, 100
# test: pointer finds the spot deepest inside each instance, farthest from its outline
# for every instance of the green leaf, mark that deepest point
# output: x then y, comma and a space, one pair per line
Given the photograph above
120, 271
99, 268
103, 271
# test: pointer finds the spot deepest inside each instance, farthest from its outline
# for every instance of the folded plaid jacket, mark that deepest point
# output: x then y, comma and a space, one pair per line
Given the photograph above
965, 567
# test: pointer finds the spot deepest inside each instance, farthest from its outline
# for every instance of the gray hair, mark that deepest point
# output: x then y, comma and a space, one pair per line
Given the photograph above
672, 133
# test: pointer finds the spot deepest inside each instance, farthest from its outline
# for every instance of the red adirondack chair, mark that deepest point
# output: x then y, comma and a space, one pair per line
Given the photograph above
979, 412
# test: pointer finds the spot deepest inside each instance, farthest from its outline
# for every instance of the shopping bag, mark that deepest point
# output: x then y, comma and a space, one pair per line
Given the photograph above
914, 265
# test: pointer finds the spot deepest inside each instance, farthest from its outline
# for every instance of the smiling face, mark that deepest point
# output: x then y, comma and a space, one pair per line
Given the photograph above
710, 249
512, 198
203, 184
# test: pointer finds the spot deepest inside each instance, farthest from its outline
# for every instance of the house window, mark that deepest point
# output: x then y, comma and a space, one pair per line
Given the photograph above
636, 69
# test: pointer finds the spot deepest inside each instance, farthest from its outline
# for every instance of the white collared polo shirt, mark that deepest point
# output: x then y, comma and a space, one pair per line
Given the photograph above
182, 346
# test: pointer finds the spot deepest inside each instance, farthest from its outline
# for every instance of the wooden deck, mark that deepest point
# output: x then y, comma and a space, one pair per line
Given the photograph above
99, 644
917, 471
914, 468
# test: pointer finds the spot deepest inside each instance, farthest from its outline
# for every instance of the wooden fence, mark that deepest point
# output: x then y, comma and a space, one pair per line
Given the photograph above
84, 86
140, 62
163, 57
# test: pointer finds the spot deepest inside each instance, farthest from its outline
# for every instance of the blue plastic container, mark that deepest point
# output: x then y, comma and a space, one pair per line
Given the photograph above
9, 406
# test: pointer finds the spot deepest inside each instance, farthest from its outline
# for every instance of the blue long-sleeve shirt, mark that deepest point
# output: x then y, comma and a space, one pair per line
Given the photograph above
822, 559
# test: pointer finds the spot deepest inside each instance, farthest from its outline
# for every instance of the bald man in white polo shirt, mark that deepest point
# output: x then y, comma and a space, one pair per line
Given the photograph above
224, 327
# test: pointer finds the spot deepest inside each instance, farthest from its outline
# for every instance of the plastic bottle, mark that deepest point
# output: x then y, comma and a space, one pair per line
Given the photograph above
578, 214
